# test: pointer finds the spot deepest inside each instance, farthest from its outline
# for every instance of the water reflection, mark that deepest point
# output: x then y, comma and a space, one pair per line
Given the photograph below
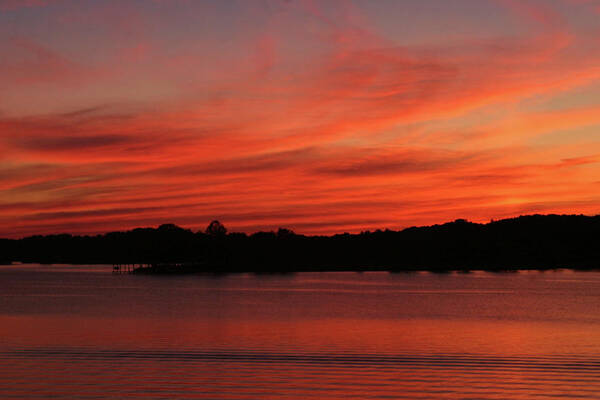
70, 332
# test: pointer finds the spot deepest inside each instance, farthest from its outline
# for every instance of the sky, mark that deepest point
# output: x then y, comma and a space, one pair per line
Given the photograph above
320, 116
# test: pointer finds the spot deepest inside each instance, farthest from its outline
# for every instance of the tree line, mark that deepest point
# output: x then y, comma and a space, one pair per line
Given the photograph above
525, 242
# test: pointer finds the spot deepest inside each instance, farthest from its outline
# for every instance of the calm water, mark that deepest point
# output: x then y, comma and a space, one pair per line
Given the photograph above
80, 332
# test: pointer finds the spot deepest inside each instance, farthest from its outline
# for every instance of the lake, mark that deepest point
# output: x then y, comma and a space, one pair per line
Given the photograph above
80, 332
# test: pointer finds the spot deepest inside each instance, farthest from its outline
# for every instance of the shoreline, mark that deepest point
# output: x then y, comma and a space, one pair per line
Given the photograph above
187, 270
523, 243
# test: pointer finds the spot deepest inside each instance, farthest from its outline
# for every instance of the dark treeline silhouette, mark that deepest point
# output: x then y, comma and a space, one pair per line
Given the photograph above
526, 242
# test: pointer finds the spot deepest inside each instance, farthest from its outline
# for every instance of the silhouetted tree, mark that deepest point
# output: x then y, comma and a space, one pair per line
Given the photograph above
284, 232
170, 227
215, 228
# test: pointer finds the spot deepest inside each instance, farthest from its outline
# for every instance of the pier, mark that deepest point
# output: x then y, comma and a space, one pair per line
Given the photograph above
128, 268
160, 268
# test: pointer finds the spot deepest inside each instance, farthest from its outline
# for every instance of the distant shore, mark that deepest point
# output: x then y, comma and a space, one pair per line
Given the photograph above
526, 242
195, 269
167, 269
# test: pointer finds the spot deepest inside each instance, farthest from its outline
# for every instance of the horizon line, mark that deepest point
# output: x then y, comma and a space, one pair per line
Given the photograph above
291, 229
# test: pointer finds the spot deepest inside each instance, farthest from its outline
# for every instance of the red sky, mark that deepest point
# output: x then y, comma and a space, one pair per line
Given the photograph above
320, 116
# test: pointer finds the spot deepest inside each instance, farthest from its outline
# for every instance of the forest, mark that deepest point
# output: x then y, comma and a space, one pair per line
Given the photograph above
525, 242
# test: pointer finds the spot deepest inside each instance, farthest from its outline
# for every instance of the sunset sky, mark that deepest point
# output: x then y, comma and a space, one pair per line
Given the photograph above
319, 116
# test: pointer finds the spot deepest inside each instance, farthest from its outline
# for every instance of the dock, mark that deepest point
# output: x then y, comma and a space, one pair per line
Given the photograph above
119, 269
159, 268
